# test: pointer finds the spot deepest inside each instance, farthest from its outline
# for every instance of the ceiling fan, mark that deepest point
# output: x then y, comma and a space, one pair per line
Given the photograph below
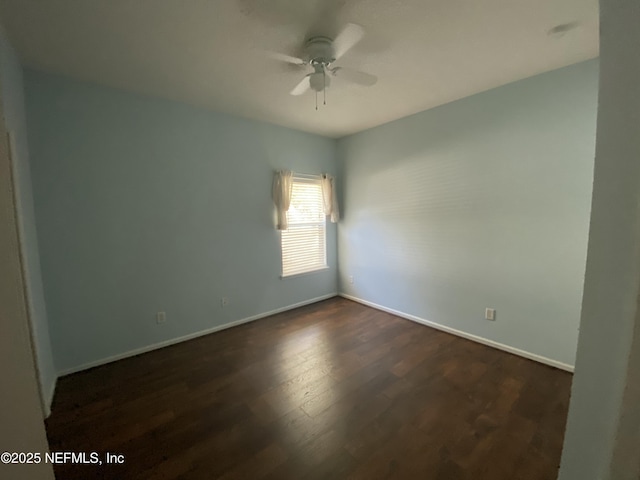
321, 53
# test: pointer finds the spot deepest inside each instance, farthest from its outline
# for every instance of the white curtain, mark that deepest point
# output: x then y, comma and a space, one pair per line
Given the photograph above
330, 197
282, 186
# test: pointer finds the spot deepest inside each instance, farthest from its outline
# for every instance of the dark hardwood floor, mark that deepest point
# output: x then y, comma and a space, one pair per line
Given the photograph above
333, 390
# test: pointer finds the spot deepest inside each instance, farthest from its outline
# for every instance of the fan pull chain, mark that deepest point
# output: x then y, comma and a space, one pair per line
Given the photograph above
316, 100
324, 86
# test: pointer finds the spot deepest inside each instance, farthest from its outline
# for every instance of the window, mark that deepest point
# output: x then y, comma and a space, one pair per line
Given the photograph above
304, 242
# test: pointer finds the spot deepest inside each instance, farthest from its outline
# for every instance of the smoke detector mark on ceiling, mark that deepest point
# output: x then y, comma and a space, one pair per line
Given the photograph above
562, 29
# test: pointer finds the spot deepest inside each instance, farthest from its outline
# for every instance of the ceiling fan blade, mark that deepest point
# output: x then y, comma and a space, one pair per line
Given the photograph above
302, 87
354, 76
283, 57
347, 38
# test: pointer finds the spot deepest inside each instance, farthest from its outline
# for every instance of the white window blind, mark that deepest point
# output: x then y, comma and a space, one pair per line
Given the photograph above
304, 242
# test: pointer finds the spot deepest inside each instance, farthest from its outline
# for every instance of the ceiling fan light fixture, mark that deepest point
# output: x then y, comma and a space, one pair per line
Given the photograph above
319, 81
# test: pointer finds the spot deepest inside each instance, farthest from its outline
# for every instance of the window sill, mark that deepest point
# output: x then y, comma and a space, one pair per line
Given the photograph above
294, 275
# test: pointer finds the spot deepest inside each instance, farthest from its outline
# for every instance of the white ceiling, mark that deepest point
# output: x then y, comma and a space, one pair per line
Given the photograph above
214, 53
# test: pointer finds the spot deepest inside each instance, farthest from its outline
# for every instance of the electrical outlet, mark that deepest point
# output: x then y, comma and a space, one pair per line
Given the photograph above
490, 313
224, 301
351, 279
161, 317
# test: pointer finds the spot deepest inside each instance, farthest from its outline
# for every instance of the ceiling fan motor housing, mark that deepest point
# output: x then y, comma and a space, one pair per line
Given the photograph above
319, 50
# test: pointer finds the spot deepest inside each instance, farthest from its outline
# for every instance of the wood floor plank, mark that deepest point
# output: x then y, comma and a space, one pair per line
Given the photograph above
332, 390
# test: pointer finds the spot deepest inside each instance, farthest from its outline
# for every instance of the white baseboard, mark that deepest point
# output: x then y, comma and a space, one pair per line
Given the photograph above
173, 341
468, 336
49, 397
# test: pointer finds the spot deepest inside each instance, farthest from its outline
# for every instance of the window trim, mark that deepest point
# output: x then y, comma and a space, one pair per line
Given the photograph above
301, 274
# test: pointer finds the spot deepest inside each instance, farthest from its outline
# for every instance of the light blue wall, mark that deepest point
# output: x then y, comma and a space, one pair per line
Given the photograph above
483, 202
146, 205
13, 105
